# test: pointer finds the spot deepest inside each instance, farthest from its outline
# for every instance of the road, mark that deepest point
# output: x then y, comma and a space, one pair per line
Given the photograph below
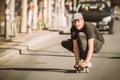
52, 62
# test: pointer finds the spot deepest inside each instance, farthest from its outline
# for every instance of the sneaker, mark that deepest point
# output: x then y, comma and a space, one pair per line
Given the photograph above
89, 64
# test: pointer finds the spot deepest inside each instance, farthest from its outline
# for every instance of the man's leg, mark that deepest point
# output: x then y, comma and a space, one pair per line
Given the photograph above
68, 44
97, 45
82, 42
83, 46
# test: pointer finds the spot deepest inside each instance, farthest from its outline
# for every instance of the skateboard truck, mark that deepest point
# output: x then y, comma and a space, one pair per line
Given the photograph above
80, 69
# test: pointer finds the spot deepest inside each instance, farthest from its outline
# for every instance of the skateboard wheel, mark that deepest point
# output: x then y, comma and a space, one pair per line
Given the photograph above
87, 70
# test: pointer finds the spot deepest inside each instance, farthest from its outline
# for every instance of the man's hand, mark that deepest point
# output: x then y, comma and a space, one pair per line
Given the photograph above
83, 64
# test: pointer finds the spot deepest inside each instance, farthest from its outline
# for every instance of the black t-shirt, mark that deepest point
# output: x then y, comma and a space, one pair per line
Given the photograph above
89, 29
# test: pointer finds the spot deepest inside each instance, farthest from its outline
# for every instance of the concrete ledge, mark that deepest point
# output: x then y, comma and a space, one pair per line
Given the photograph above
9, 53
40, 39
28, 44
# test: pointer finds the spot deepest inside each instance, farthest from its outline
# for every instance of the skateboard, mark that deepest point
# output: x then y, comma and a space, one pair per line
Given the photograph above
80, 69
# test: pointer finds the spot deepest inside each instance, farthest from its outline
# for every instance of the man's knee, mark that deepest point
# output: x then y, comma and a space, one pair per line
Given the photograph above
82, 35
82, 40
63, 43
97, 46
67, 44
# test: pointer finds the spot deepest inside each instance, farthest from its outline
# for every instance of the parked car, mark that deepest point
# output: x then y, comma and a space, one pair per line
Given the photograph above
99, 13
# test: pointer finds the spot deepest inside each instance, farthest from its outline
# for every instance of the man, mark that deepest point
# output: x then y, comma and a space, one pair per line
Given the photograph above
85, 39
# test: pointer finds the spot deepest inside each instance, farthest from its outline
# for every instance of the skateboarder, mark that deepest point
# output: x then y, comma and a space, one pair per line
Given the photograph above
85, 39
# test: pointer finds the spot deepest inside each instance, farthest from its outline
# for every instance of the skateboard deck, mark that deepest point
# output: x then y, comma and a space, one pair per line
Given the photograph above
80, 69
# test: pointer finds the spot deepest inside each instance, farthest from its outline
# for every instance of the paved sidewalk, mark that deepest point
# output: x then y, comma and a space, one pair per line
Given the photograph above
62, 30
22, 42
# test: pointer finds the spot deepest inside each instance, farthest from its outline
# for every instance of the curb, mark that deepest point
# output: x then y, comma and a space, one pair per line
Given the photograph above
40, 39
61, 30
9, 53
27, 45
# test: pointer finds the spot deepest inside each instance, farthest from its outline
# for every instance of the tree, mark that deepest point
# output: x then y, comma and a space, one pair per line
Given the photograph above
115, 3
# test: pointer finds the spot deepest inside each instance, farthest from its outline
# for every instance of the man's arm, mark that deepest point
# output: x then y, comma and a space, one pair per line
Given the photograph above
76, 51
90, 49
90, 52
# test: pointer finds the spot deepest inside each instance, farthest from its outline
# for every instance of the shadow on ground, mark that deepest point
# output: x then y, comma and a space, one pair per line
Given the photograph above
42, 69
